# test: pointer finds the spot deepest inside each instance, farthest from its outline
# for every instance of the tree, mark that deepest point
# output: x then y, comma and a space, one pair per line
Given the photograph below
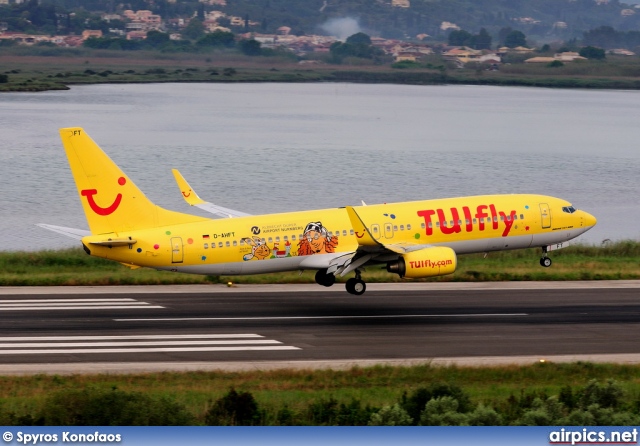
217, 38
591, 52
359, 38
194, 30
514, 39
250, 47
156, 39
482, 41
460, 38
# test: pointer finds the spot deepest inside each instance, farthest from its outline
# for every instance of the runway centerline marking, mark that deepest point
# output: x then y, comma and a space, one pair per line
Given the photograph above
281, 318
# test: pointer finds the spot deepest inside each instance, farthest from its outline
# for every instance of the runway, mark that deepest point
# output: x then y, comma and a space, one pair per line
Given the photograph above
208, 327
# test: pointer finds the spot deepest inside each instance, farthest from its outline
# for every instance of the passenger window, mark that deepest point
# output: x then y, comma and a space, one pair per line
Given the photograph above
293, 237
278, 239
475, 221
270, 240
408, 227
431, 225
235, 243
285, 238
395, 227
228, 244
206, 246
351, 231
344, 233
422, 225
220, 245
521, 216
402, 227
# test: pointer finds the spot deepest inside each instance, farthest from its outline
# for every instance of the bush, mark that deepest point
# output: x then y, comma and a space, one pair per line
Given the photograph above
103, 407
415, 404
391, 416
443, 411
234, 409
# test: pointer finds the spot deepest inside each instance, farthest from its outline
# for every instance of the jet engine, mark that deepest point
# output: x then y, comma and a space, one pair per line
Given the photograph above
427, 262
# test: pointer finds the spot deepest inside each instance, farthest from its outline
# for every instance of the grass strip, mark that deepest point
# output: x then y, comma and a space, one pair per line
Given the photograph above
612, 261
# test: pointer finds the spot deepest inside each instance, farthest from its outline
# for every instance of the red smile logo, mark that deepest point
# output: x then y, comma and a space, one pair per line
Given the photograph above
186, 195
89, 193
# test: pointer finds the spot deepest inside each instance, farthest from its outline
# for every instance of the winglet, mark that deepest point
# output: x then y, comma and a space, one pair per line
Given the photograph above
189, 195
362, 232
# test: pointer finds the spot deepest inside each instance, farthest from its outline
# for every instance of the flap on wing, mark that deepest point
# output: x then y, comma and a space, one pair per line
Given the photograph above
69, 232
192, 198
403, 248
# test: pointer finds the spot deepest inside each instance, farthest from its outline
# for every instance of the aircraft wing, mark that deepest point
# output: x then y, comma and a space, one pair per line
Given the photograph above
69, 232
192, 199
368, 248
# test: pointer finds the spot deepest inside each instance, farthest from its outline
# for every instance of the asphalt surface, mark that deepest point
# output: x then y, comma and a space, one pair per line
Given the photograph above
138, 329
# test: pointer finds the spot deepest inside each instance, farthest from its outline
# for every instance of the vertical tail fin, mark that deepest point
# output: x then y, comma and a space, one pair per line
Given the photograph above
111, 201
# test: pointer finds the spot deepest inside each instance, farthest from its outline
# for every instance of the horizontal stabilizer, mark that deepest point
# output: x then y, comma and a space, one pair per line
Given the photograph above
69, 232
192, 199
115, 242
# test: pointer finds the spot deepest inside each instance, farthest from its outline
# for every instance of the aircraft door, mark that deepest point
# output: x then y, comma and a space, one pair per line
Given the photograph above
545, 215
177, 253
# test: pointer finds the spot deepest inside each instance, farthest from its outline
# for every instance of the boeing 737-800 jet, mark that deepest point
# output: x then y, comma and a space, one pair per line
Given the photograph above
412, 239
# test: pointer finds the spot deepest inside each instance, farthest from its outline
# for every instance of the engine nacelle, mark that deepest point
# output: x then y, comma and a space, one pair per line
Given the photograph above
427, 262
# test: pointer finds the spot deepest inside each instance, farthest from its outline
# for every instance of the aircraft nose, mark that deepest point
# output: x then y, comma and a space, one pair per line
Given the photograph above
589, 220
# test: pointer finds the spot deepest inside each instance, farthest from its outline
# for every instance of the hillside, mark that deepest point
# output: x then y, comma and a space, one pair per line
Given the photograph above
541, 20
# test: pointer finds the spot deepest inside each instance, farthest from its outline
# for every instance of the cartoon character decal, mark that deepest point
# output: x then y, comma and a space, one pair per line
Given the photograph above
278, 253
316, 240
259, 249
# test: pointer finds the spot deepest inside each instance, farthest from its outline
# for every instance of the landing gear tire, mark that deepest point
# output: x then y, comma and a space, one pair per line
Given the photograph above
324, 279
356, 286
546, 262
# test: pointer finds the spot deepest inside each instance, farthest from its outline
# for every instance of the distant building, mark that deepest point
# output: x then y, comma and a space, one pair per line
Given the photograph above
88, 33
400, 3
444, 26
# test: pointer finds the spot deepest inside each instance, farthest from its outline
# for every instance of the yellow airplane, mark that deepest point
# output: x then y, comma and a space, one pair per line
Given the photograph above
412, 239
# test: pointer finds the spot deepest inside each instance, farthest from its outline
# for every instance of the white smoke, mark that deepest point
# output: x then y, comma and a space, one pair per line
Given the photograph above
341, 28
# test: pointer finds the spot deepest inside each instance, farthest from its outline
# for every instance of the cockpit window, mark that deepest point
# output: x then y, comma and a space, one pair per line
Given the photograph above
568, 209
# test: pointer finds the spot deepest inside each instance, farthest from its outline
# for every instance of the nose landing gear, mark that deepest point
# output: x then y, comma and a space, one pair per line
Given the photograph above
544, 260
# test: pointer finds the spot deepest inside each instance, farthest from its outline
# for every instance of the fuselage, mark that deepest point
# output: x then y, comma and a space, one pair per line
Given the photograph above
310, 239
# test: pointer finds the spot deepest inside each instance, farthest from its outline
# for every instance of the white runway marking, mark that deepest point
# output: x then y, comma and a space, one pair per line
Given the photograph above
42, 345
73, 304
285, 318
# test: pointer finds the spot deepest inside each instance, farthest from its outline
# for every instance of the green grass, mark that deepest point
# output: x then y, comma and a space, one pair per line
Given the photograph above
297, 390
578, 262
37, 69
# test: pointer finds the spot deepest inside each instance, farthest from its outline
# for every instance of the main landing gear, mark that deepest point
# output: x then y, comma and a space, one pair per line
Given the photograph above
544, 260
354, 285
